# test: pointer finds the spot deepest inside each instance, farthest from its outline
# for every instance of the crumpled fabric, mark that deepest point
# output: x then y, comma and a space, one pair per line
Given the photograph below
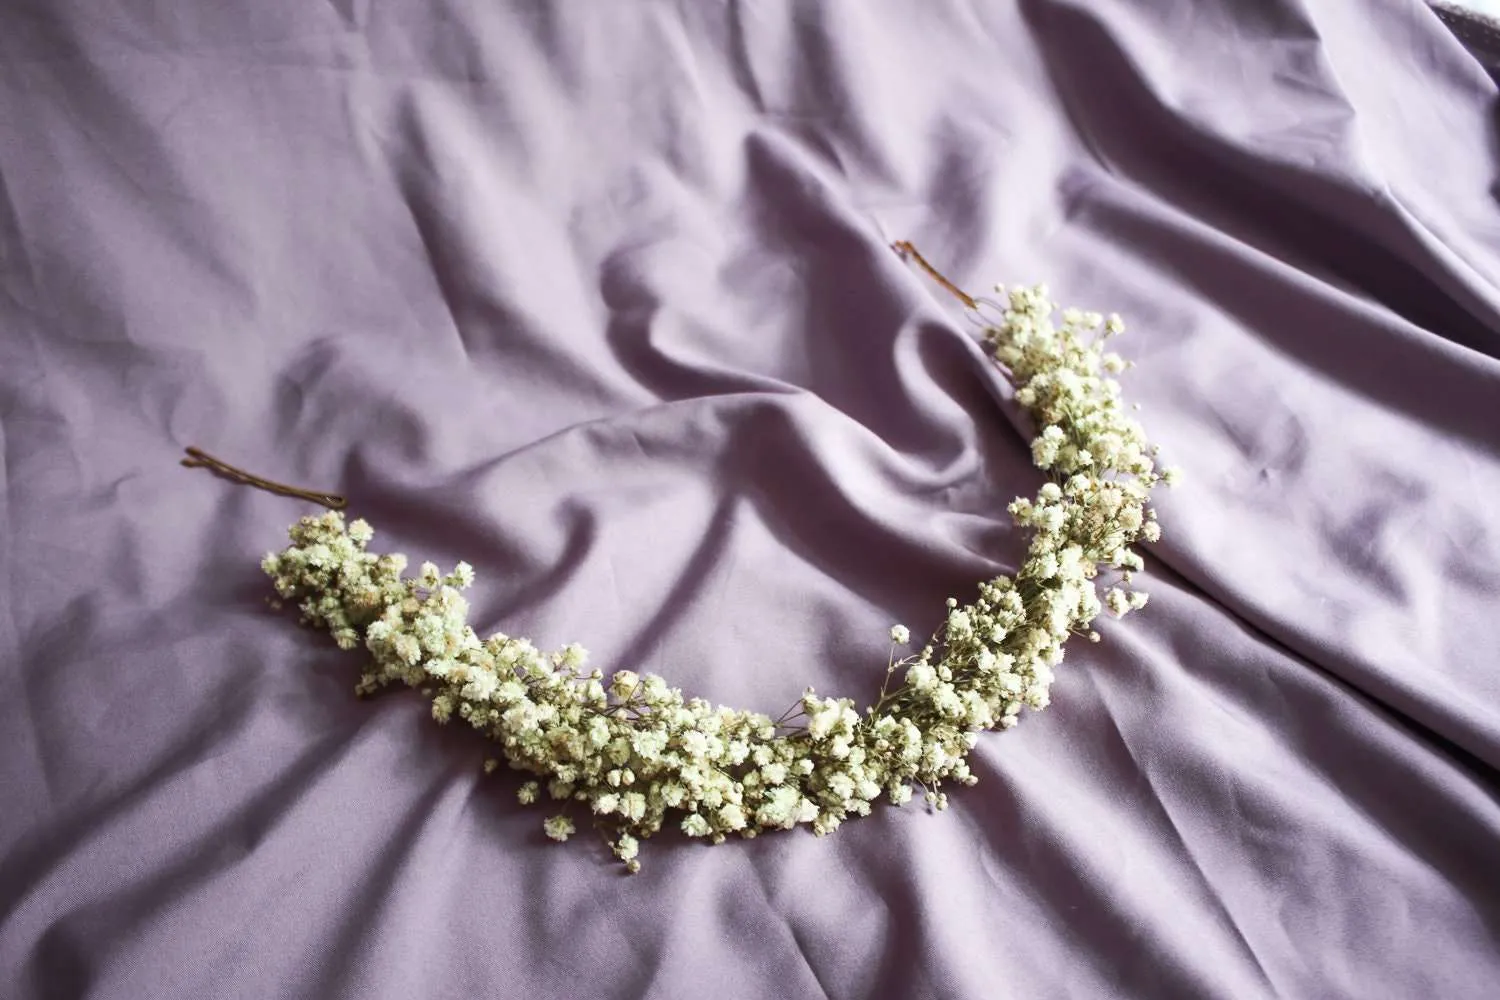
599, 298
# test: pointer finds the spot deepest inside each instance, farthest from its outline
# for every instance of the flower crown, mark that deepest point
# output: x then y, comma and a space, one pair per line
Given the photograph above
636, 754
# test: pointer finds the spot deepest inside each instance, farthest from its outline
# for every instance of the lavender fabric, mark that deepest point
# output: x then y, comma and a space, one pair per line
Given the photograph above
598, 297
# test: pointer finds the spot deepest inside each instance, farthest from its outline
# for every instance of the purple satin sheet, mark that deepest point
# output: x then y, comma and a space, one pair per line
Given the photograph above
597, 296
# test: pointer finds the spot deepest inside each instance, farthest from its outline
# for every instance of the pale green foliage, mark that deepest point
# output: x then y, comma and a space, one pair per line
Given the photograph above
638, 755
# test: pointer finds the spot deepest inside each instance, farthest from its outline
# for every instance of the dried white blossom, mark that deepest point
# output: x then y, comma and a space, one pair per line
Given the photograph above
638, 754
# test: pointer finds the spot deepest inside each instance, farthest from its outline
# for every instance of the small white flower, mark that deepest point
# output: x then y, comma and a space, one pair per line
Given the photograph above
624, 683
649, 745
481, 685
821, 721
407, 648
559, 828
900, 635
921, 676
632, 805
947, 701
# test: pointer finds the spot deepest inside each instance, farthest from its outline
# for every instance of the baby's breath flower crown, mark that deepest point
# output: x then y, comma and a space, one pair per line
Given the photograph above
635, 753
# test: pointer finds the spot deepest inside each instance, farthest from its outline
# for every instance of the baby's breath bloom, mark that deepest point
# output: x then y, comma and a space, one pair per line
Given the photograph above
559, 827
637, 754
624, 683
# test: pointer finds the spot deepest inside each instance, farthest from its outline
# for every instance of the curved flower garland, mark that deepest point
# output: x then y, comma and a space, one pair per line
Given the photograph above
635, 751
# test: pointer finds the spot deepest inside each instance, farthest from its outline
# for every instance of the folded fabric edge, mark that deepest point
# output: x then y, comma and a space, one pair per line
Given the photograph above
1479, 32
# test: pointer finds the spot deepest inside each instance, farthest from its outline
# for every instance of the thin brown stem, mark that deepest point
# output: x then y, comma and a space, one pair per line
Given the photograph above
905, 249
200, 459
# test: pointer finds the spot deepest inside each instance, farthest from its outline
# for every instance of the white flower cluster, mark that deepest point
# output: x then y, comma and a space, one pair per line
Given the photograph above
636, 754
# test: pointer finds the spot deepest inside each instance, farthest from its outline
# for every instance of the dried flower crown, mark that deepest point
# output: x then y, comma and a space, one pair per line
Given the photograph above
635, 752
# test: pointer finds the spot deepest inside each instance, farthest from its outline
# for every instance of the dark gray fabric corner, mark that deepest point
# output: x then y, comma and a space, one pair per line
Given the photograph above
1479, 32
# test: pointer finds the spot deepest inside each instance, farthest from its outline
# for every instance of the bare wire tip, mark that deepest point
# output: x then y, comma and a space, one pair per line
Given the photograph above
200, 459
909, 252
